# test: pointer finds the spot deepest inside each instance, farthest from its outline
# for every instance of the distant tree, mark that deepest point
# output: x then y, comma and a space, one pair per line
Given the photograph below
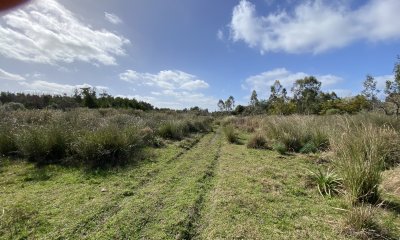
89, 97
254, 99
230, 103
277, 92
239, 109
392, 91
221, 105
370, 92
305, 93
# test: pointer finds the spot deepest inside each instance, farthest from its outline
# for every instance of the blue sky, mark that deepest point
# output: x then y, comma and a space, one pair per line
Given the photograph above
179, 53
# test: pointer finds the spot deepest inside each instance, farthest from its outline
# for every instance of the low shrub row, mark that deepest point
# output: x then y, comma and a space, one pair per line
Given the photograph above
47, 137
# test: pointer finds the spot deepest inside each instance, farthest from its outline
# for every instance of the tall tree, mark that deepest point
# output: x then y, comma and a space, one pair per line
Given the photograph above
277, 91
305, 93
221, 105
254, 99
370, 92
232, 102
392, 89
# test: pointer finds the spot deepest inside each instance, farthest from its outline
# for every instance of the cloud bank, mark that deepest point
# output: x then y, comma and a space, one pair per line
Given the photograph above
315, 25
46, 32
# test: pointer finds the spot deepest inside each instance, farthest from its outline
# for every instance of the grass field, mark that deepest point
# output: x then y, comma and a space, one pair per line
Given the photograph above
199, 187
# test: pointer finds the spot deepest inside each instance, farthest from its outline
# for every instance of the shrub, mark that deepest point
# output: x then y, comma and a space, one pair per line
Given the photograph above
44, 144
328, 182
108, 146
360, 155
332, 111
280, 148
13, 106
173, 130
309, 148
257, 141
7, 141
230, 134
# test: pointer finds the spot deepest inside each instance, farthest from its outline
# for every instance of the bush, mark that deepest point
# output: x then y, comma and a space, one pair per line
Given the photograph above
280, 148
8, 145
108, 146
173, 130
44, 144
332, 111
257, 141
309, 148
230, 134
13, 106
360, 155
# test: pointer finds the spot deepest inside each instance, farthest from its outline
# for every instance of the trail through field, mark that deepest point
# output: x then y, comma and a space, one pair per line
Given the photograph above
198, 188
165, 206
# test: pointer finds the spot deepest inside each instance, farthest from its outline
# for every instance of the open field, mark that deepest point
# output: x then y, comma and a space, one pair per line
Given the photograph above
197, 186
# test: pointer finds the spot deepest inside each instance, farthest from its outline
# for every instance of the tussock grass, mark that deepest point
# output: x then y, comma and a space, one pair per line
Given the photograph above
360, 152
257, 141
230, 134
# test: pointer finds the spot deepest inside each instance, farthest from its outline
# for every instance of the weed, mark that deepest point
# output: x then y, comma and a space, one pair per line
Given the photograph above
328, 182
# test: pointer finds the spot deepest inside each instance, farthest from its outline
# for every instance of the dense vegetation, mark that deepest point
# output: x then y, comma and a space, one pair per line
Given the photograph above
84, 97
92, 138
308, 98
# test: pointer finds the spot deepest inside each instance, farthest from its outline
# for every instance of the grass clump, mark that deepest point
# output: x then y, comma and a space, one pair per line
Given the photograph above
8, 145
108, 146
174, 130
360, 153
230, 134
328, 182
360, 222
280, 148
44, 145
257, 141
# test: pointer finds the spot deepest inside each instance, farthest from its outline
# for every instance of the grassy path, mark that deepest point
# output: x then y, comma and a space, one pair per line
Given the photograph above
168, 207
56, 202
203, 188
259, 194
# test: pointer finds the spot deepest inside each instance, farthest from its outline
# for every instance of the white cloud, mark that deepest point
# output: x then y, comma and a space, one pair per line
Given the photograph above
171, 89
263, 81
315, 25
112, 18
46, 32
54, 88
10, 76
168, 79
220, 35
381, 81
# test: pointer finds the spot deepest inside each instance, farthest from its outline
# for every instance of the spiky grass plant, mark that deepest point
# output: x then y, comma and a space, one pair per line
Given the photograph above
328, 182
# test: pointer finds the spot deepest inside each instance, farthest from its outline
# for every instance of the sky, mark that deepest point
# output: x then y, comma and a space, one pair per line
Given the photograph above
185, 53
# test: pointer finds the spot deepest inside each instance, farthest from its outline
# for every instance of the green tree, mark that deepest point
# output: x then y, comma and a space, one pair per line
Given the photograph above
89, 97
392, 91
221, 105
305, 93
370, 92
254, 99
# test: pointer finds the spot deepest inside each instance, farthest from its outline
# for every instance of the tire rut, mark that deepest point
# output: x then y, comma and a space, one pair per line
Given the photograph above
107, 211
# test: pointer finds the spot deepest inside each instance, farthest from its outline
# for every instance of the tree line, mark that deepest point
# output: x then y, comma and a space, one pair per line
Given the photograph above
83, 97
308, 98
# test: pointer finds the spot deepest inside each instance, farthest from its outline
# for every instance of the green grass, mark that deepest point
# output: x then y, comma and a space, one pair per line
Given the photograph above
201, 187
